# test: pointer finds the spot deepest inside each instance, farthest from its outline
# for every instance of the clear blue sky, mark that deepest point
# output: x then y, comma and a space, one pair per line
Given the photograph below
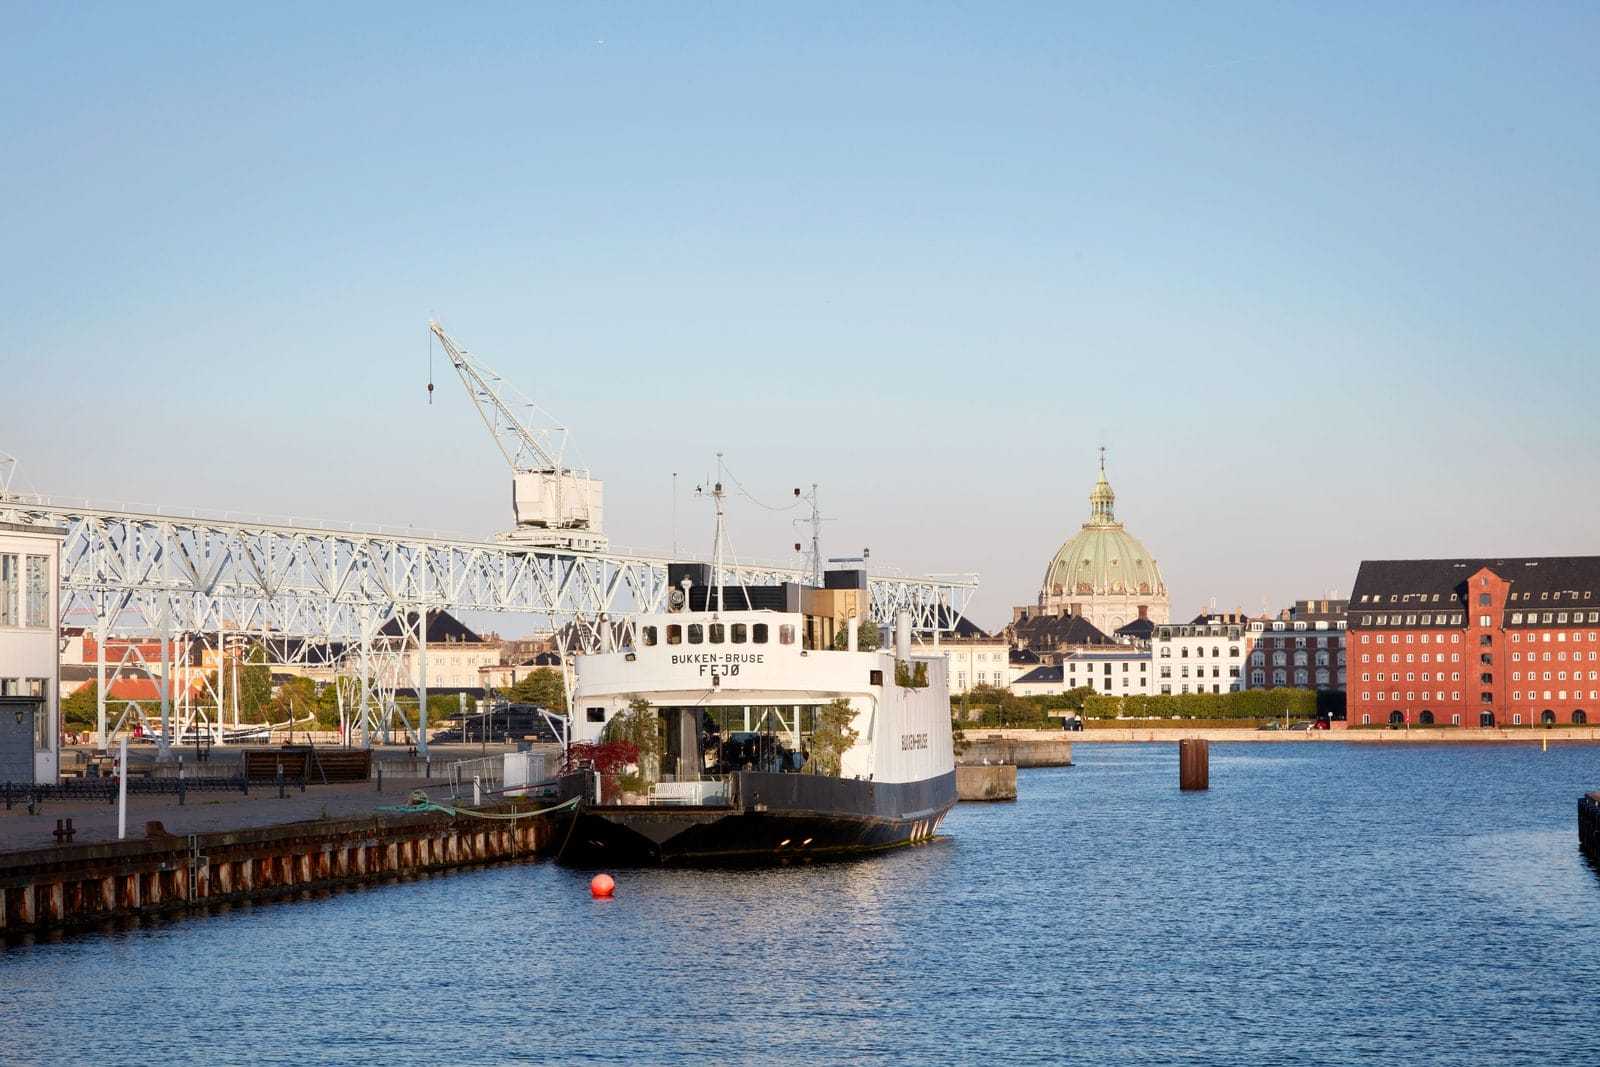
1324, 277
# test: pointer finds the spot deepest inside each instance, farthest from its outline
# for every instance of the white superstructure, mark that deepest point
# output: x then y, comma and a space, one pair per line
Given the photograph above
749, 671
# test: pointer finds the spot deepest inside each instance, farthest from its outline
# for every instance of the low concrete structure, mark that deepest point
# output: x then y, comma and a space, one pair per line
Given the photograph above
994, 781
1034, 748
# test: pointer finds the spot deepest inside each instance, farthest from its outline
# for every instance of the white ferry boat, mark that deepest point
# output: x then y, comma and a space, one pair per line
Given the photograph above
769, 733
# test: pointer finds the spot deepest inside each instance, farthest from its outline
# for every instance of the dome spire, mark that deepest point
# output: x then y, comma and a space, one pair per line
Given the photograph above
1102, 499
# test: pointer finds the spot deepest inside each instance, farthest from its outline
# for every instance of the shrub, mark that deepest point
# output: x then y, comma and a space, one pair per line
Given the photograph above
1249, 704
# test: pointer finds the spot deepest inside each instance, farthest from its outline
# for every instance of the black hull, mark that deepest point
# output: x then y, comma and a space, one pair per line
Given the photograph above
774, 818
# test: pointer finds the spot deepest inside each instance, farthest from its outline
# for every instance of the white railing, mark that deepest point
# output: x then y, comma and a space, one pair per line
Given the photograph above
486, 769
702, 793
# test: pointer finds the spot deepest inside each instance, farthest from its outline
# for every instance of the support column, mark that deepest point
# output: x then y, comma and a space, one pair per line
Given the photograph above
422, 677
222, 677
165, 747
100, 686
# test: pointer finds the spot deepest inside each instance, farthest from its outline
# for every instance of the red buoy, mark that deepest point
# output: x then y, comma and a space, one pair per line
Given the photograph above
601, 886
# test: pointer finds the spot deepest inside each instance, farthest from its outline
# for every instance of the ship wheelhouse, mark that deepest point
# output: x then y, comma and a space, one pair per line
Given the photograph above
741, 679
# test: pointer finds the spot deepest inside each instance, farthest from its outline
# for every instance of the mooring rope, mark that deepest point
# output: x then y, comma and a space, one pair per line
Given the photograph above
421, 804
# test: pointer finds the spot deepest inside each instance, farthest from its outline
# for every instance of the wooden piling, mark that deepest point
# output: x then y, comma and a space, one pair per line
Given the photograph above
1194, 764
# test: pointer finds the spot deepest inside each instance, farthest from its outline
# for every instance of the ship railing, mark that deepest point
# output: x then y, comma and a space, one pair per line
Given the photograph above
704, 792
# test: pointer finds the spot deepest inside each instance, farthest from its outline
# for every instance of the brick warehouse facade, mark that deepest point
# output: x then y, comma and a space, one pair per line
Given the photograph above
1480, 642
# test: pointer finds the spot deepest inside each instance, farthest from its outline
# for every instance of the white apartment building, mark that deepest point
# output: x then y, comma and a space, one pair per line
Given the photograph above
973, 660
1205, 655
1123, 673
30, 673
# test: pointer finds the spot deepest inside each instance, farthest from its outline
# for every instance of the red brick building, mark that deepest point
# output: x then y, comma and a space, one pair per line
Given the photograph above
1476, 642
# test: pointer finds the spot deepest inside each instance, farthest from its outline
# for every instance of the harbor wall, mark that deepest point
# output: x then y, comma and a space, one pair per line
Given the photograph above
76, 886
1415, 735
993, 782
1035, 748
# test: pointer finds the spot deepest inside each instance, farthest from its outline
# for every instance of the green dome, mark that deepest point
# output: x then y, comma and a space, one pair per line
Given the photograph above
1102, 558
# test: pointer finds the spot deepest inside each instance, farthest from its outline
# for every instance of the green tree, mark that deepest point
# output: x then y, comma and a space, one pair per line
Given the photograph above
81, 708
640, 726
832, 737
255, 686
299, 697
868, 639
542, 687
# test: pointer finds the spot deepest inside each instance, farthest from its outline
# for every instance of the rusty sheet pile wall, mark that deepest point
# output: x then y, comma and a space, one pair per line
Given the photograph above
85, 885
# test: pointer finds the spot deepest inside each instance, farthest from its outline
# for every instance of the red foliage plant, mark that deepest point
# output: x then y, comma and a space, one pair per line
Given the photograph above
607, 757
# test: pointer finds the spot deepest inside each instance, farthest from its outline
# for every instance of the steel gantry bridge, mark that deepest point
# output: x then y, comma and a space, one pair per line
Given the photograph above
318, 595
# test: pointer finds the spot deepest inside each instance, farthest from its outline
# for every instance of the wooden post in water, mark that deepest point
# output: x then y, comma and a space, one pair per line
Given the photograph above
1194, 764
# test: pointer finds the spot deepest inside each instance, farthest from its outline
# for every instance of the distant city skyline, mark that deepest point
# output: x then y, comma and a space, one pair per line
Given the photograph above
1322, 280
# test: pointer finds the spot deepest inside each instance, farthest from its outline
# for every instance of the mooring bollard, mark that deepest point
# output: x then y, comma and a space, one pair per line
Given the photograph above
1194, 764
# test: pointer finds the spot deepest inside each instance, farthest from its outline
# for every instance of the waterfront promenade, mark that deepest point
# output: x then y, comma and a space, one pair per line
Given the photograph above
95, 821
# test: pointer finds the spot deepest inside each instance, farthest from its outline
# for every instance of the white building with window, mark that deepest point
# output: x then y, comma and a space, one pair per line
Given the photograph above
30, 673
1124, 673
974, 658
1120, 673
1205, 655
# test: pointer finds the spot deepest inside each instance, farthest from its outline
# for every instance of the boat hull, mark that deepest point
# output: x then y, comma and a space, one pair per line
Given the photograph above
773, 818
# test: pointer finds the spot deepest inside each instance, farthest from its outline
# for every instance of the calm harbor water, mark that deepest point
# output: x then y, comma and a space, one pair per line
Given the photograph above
1322, 903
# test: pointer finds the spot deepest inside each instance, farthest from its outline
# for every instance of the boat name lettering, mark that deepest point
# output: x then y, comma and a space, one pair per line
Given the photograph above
704, 658
911, 741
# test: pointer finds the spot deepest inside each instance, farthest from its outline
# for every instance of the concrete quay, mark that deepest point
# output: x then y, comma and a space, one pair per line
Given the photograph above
1373, 736
1017, 748
1416, 735
996, 781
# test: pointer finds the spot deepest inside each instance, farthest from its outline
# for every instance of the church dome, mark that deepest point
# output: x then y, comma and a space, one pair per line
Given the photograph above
1102, 558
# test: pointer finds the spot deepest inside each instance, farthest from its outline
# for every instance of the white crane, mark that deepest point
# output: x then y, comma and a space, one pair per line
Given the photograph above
554, 505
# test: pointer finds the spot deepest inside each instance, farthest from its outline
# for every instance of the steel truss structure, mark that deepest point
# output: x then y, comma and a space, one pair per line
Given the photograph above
322, 597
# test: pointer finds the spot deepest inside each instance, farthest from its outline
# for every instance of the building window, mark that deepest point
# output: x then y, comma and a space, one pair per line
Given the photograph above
9, 590
38, 578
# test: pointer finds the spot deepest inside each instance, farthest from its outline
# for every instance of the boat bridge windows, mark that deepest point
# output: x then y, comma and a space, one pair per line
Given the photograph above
716, 633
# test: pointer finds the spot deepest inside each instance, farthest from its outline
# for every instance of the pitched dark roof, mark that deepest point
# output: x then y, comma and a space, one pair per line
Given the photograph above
1137, 630
1433, 585
1041, 676
964, 627
443, 628
1021, 656
1051, 632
